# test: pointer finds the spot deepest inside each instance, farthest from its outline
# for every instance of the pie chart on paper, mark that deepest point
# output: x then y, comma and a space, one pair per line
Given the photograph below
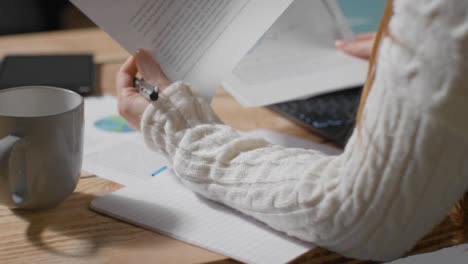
113, 124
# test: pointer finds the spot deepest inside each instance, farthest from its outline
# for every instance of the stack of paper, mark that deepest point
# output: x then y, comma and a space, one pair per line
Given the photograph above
155, 199
262, 51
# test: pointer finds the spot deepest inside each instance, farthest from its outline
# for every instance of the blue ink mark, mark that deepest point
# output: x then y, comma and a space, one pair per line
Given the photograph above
159, 171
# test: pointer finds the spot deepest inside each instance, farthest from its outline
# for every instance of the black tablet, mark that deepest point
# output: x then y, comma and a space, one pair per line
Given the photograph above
73, 72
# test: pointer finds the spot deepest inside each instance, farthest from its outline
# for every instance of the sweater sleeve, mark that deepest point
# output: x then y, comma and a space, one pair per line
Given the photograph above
399, 175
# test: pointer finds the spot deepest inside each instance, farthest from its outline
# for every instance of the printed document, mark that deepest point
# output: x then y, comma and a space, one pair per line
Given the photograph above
198, 41
261, 51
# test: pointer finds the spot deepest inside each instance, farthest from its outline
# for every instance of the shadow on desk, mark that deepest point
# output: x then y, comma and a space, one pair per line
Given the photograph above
86, 231
67, 220
72, 231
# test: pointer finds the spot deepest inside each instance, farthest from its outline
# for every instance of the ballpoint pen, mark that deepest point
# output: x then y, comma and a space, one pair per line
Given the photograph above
149, 90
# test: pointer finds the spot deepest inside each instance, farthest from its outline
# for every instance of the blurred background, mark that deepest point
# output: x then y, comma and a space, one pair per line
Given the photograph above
25, 16
363, 15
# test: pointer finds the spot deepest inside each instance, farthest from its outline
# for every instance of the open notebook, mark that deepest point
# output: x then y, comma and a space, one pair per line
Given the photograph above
171, 209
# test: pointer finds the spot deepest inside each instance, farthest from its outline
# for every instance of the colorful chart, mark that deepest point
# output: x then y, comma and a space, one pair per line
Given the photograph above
113, 124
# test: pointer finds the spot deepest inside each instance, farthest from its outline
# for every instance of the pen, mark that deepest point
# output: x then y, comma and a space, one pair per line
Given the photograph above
149, 91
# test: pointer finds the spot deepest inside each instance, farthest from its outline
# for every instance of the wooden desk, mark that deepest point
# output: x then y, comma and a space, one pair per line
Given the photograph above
71, 233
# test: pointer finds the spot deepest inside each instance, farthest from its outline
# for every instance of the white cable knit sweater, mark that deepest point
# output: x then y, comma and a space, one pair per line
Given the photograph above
393, 183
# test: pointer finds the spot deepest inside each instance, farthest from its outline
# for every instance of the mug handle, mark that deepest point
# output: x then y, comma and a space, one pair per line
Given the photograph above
7, 144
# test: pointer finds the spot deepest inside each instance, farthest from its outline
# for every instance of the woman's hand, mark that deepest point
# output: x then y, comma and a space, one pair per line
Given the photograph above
361, 47
131, 104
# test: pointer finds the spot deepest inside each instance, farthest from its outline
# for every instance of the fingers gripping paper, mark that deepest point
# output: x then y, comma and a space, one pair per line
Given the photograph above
254, 48
195, 41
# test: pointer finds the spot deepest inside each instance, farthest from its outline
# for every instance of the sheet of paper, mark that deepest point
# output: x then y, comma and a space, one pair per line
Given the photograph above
103, 125
169, 208
160, 203
198, 41
110, 145
155, 199
297, 57
453, 255
117, 153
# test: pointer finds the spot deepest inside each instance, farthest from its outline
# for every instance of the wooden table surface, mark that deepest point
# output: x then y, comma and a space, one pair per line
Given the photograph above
71, 233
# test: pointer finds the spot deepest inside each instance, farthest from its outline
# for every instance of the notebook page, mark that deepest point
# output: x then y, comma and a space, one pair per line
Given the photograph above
453, 255
167, 207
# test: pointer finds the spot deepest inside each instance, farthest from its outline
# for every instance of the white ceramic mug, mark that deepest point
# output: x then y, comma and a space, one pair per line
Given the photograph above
41, 145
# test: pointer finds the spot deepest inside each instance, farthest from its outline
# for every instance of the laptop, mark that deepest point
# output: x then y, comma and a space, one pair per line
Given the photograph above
331, 116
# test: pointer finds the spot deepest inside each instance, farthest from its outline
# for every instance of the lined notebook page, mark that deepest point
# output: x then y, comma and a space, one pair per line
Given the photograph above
167, 207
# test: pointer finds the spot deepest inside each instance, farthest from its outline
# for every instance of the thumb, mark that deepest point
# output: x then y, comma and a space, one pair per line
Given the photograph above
150, 69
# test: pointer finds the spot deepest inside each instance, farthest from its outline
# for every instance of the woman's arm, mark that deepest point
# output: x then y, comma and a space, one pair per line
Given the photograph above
398, 177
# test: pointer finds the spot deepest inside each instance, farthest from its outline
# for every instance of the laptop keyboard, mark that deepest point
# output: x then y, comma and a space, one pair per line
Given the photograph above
331, 116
